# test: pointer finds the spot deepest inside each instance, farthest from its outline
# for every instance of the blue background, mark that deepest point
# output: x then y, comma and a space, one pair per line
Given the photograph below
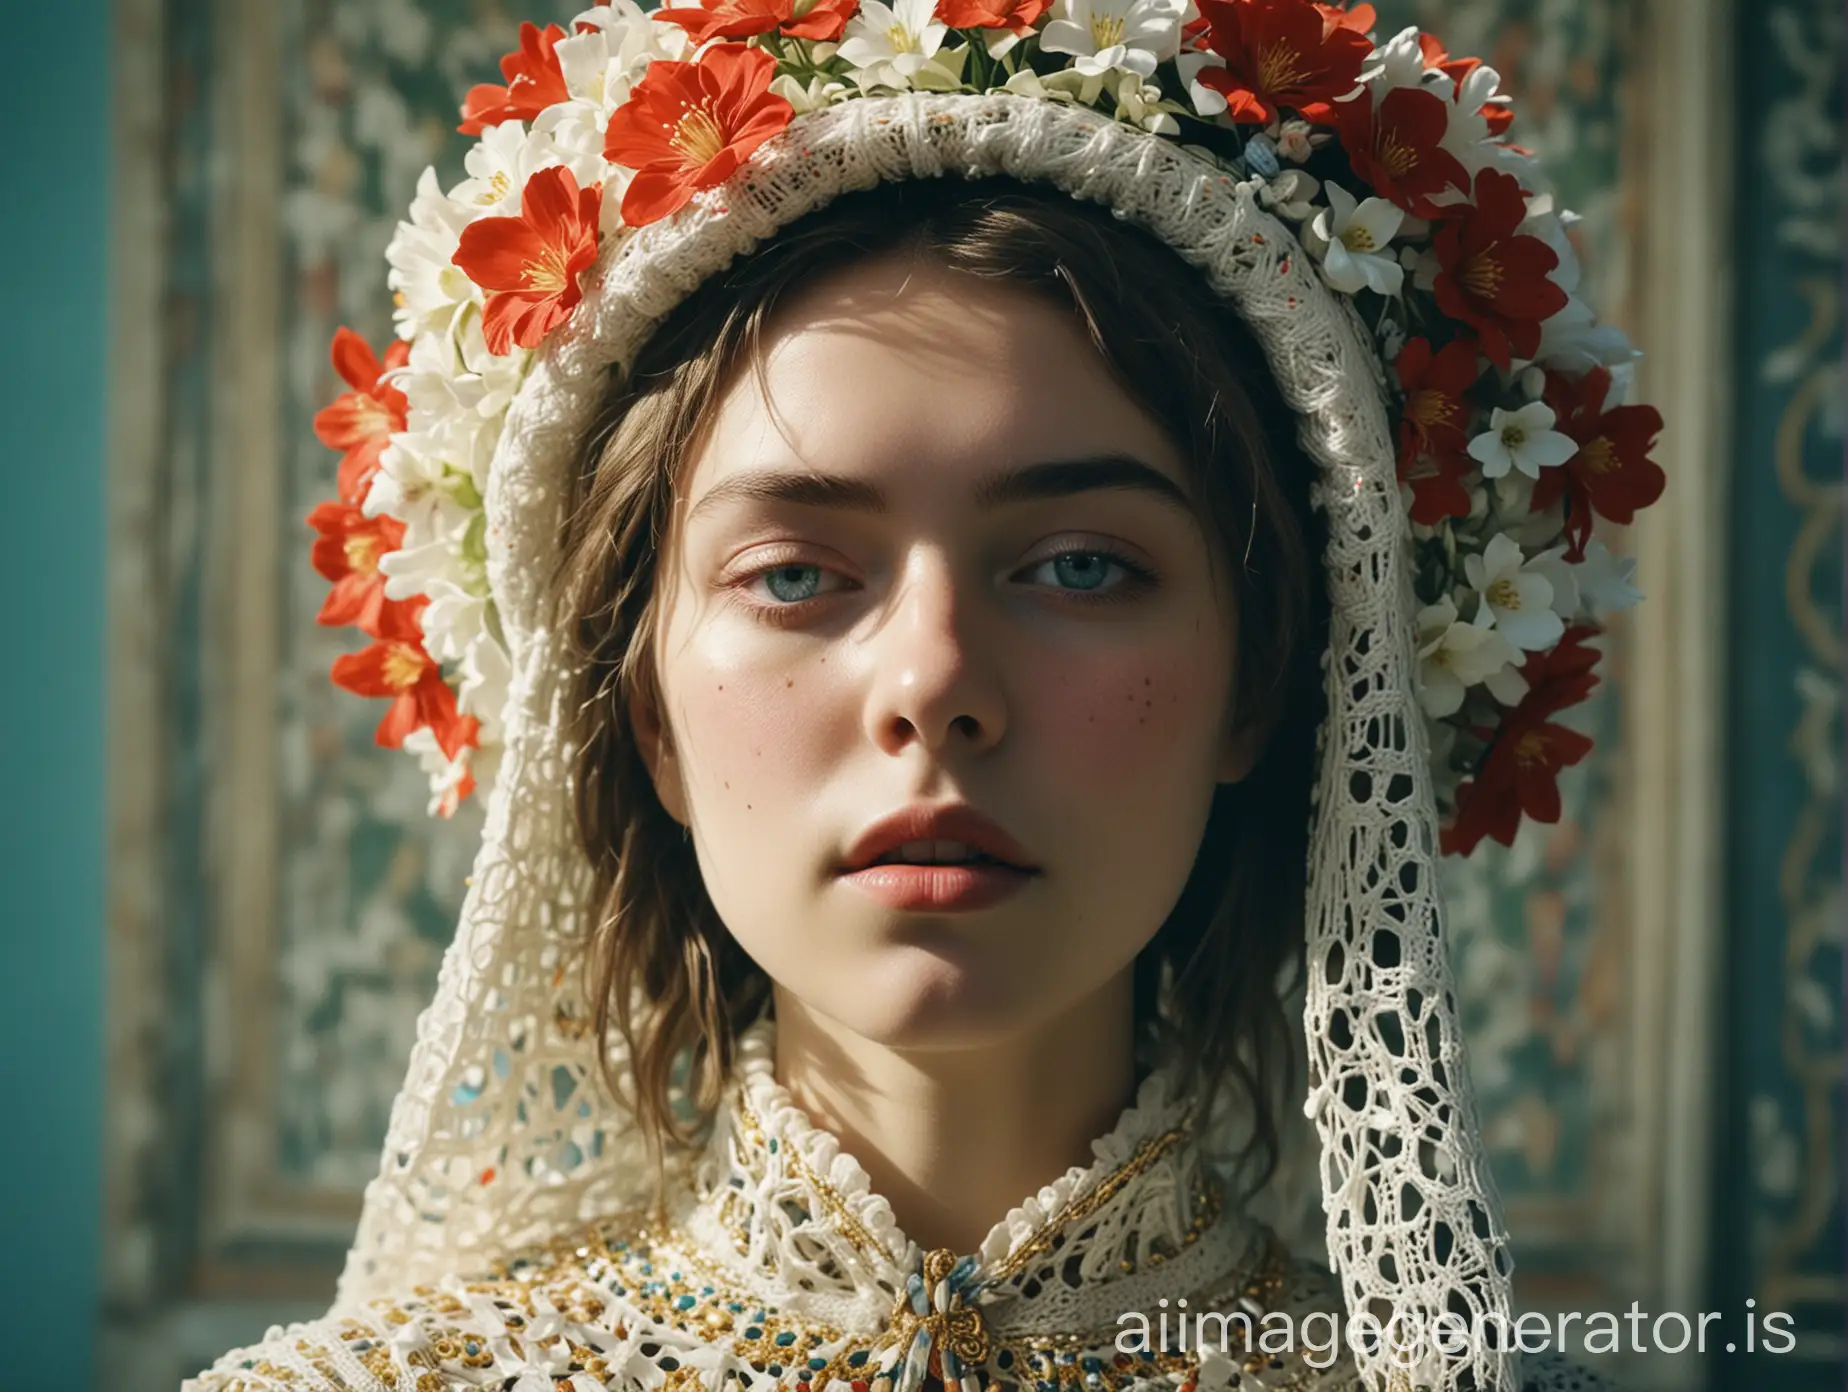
54, 245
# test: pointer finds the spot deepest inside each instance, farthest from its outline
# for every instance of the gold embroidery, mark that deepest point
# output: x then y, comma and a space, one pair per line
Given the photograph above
851, 1227
960, 1328
1077, 1211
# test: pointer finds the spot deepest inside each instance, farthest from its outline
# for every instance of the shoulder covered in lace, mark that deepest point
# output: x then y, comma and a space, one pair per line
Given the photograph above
632, 1313
621, 1308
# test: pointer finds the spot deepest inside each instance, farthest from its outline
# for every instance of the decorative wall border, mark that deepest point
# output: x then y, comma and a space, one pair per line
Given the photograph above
1670, 792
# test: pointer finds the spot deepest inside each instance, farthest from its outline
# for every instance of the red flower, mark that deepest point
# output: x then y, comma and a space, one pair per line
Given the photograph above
1360, 19
1612, 473
535, 80
1520, 772
1434, 426
402, 671
531, 264
1398, 147
740, 19
1499, 115
1016, 16
362, 421
689, 126
1493, 278
347, 552
1281, 53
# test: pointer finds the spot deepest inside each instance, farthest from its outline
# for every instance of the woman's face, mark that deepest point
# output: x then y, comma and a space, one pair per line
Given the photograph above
939, 561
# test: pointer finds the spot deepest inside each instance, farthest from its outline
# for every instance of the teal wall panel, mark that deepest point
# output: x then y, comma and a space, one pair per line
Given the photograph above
54, 245
1779, 1219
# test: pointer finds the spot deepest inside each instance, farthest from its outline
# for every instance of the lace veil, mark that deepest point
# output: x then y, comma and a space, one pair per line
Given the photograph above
503, 1136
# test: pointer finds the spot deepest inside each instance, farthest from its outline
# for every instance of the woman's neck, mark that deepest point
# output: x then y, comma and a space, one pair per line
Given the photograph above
955, 1138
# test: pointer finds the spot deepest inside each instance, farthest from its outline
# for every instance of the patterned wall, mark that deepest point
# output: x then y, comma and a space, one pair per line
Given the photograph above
373, 884
1782, 1237
365, 886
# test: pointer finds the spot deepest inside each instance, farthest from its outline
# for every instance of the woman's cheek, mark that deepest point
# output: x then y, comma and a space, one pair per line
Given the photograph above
1126, 720
752, 731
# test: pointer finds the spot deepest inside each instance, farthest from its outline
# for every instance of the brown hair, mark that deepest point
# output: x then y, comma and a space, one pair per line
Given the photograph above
667, 977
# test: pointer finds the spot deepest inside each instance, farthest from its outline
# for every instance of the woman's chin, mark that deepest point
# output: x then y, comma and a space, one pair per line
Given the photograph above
936, 997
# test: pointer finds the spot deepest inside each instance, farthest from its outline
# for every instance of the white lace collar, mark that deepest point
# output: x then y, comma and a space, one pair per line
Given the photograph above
786, 1209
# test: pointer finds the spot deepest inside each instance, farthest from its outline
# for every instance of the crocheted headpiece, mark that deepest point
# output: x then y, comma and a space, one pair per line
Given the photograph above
1412, 284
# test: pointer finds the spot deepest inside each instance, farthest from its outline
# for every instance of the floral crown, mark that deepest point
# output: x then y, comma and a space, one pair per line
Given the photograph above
1391, 160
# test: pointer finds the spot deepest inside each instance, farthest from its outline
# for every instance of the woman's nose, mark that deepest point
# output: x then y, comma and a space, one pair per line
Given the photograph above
935, 681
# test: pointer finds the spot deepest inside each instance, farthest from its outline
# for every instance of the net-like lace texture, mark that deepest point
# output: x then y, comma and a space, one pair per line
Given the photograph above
502, 1137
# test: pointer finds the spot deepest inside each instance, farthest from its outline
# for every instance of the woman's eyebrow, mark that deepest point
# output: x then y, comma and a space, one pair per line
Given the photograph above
1052, 478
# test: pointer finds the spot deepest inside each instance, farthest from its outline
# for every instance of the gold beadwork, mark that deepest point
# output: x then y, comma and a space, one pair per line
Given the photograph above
960, 1329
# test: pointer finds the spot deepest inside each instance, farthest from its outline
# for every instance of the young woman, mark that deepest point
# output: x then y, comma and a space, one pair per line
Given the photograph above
907, 510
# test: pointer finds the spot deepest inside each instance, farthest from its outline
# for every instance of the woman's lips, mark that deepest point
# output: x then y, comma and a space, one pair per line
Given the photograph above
939, 888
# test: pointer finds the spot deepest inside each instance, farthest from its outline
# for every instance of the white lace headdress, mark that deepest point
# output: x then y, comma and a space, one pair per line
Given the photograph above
1412, 287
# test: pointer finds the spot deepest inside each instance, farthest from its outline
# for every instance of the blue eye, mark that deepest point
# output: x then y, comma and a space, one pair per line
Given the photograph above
791, 584
1081, 570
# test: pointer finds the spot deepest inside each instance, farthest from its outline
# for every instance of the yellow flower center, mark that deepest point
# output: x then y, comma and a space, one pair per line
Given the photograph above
1600, 456
902, 40
1514, 438
697, 135
370, 416
1396, 156
1106, 31
403, 666
499, 186
1279, 67
362, 554
1359, 239
549, 272
1530, 749
1431, 408
1482, 276
1503, 594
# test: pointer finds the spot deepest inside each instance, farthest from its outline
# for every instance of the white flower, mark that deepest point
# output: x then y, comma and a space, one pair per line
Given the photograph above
1575, 341
430, 288
1138, 102
498, 166
944, 71
1066, 84
571, 133
1516, 594
487, 676
584, 61
1207, 101
458, 393
424, 568
1291, 194
1454, 656
1130, 35
1524, 440
1399, 62
888, 44
417, 488
1604, 580
1467, 134
633, 39
820, 92
1562, 575
454, 620
1356, 236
